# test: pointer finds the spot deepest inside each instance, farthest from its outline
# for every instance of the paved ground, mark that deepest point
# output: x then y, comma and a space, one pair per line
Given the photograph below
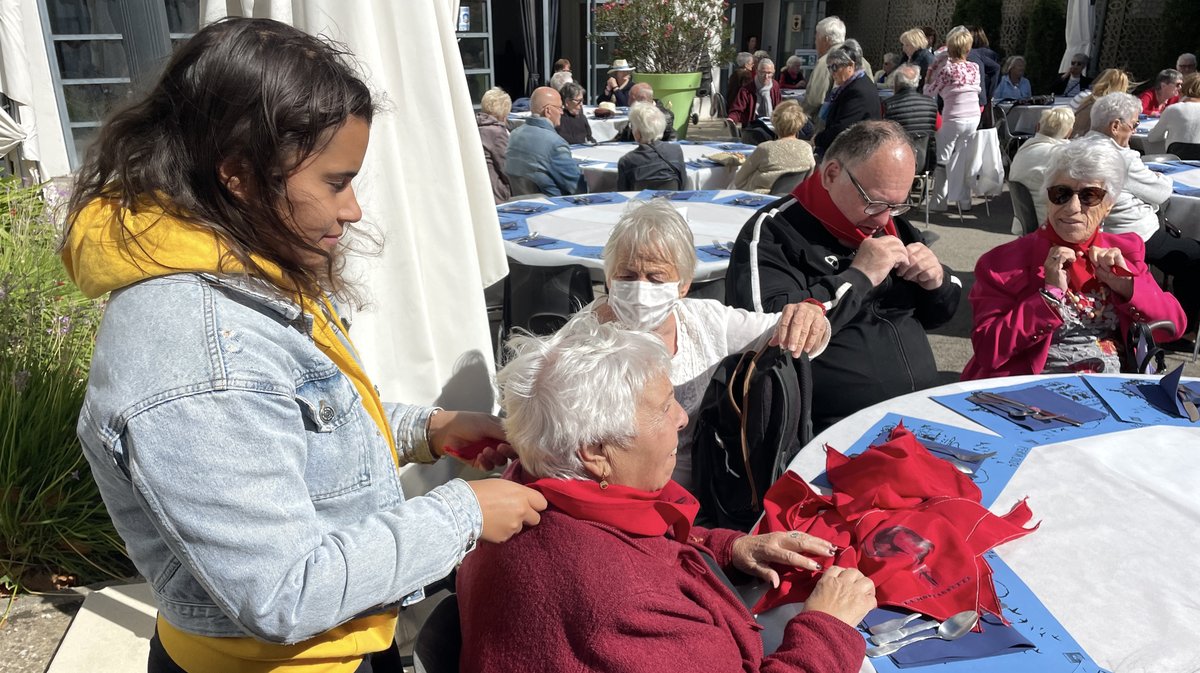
36, 624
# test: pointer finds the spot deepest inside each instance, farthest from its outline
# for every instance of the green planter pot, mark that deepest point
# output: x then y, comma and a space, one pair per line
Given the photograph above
676, 90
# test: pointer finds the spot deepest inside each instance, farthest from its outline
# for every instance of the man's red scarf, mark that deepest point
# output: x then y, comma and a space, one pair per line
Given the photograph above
816, 200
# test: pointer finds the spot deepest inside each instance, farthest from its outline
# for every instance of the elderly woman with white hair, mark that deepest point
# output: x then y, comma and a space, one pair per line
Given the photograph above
792, 75
616, 577
1029, 165
653, 164
1061, 299
492, 120
1114, 119
1012, 84
649, 262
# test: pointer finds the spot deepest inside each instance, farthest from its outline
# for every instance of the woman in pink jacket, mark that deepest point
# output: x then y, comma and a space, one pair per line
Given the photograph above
1061, 299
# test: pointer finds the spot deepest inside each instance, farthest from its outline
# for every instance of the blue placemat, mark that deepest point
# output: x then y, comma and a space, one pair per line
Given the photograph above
991, 475
995, 639
1055, 651
591, 251
589, 199
1184, 190
698, 195
731, 147
753, 201
1138, 401
1168, 169
1070, 387
711, 253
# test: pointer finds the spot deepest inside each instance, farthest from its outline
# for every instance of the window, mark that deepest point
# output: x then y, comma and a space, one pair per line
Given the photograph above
99, 49
475, 46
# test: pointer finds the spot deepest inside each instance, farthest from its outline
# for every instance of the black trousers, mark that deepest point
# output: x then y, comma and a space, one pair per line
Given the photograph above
387, 661
1178, 257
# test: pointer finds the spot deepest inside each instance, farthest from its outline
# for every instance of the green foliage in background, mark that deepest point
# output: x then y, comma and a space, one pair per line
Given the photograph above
52, 521
1045, 43
985, 13
667, 36
1179, 32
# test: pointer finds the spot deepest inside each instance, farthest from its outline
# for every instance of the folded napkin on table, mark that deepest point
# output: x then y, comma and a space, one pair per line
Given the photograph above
1048, 401
522, 208
995, 638
542, 242
715, 252
585, 199
507, 224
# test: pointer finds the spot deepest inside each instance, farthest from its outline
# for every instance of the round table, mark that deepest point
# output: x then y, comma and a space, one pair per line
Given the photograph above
599, 164
1114, 558
603, 130
1183, 208
1024, 118
583, 228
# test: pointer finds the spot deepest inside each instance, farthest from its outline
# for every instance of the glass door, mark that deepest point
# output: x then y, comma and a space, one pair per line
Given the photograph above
475, 46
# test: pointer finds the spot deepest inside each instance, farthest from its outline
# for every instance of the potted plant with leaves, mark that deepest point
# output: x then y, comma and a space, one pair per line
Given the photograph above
669, 43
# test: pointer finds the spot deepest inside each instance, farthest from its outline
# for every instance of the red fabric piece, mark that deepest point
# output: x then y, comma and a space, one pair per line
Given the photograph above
906, 519
1081, 275
816, 200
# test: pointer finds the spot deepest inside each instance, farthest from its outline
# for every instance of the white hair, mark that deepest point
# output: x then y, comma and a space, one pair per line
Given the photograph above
652, 230
558, 79
1186, 58
793, 60
763, 63
832, 28
1056, 122
648, 121
1111, 107
577, 387
496, 102
744, 58
906, 76
1088, 160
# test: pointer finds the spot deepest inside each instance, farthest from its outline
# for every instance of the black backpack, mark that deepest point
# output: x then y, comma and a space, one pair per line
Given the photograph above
756, 416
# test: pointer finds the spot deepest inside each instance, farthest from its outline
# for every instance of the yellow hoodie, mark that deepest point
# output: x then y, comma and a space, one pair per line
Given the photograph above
109, 248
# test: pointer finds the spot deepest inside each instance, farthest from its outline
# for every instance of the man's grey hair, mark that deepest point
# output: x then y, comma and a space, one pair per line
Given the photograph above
1186, 57
1111, 107
847, 54
907, 76
648, 122
743, 59
764, 62
862, 140
569, 91
577, 387
1088, 159
1168, 76
892, 58
558, 79
652, 230
831, 28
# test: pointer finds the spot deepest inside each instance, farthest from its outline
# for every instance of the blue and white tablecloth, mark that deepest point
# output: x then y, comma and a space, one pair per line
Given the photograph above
1183, 208
599, 164
603, 130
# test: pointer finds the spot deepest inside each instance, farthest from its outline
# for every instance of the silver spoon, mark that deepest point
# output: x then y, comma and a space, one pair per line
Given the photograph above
952, 629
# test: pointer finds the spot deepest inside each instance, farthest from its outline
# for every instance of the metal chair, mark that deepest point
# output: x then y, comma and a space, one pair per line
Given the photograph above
787, 183
439, 642
731, 128
1159, 158
1185, 150
1022, 202
924, 147
1010, 142
709, 289
670, 184
540, 299
523, 185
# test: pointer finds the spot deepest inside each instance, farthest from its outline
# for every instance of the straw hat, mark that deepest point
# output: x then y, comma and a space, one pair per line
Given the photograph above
605, 109
620, 65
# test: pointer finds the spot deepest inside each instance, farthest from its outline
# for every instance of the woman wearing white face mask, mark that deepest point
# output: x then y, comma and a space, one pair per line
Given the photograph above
649, 261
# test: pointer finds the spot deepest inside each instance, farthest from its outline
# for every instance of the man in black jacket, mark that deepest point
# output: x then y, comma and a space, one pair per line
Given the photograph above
1073, 82
911, 109
837, 239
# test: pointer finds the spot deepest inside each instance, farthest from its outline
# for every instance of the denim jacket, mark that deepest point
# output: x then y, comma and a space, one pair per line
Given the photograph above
538, 153
250, 485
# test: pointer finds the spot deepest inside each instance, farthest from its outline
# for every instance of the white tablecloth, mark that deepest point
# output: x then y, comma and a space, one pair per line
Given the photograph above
1115, 557
603, 130
1183, 208
590, 225
1138, 140
1024, 118
599, 164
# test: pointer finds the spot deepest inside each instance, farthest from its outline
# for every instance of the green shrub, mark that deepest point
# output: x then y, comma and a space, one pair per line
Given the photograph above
987, 14
1045, 43
52, 519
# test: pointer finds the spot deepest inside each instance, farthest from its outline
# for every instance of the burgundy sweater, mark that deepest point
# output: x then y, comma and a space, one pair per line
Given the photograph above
572, 595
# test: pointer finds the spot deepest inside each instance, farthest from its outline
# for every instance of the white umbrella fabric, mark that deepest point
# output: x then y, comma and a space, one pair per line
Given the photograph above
1080, 18
11, 133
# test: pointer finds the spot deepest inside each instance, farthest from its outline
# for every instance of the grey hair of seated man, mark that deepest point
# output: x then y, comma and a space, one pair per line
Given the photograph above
652, 230
763, 63
1112, 107
892, 58
577, 387
907, 76
744, 58
862, 140
1088, 160
832, 29
647, 121
497, 103
1168, 76
641, 92
1186, 59
558, 79
1056, 122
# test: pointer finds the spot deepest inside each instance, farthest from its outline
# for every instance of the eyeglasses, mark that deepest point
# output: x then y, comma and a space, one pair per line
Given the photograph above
576, 101
1088, 196
874, 207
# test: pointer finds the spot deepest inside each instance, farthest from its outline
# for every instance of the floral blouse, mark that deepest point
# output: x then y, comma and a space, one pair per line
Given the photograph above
1089, 338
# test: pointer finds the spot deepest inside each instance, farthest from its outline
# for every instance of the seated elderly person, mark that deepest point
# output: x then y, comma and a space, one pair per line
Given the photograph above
853, 98
1165, 92
538, 155
773, 158
653, 164
908, 107
1073, 82
1029, 165
890, 63
1061, 299
574, 127
1179, 123
1012, 84
644, 93
616, 577
492, 120
1113, 80
1114, 118
758, 97
649, 263
792, 75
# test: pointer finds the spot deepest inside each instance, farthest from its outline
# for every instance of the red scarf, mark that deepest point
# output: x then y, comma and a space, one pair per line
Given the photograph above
1081, 275
816, 199
630, 510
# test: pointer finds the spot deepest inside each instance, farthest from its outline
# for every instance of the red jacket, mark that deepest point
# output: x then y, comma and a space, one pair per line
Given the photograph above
1150, 104
1014, 323
744, 105
573, 595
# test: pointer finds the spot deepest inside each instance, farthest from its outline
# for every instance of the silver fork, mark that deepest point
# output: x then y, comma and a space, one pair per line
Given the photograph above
528, 237
721, 245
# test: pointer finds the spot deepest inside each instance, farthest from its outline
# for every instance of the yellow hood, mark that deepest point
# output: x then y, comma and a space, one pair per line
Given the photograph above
109, 247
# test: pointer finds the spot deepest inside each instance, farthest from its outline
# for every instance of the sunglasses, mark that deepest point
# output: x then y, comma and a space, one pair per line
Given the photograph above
1088, 196
1076, 63
874, 207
